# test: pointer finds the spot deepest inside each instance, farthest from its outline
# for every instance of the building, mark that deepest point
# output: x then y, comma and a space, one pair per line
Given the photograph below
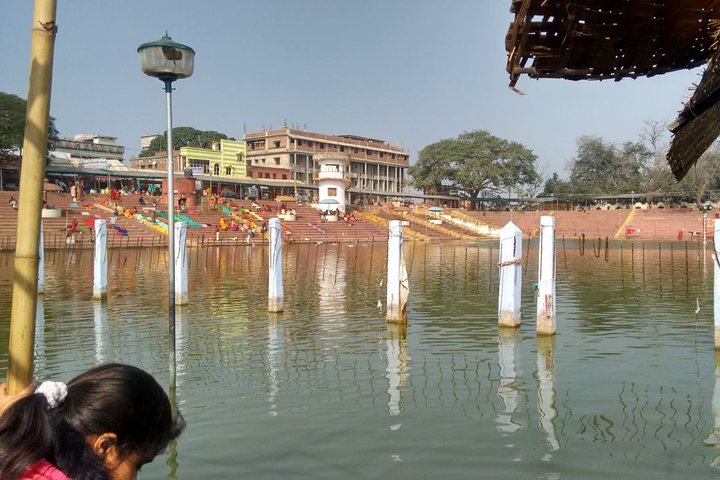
87, 147
376, 168
333, 179
226, 158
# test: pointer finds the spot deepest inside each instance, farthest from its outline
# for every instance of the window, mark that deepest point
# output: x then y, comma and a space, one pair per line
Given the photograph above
299, 143
284, 176
276, 144
216, 169
277, 160
274, 175
228, 171
342, 149
332, 192
263, 160
267, 175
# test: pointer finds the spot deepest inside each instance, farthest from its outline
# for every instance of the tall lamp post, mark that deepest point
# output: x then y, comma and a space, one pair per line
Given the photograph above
168, 61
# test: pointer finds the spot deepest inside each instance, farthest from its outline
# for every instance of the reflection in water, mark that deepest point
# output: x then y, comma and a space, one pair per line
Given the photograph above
39, 354
618, 394
101, 331
274, 349
546, 390
181, 344
398, 366
713, 439
507, 389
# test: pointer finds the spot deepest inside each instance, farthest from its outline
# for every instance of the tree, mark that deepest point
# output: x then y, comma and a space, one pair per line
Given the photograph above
554, 185
602, 168
184, 137
12, 122
475, 161
703, 176
657, 177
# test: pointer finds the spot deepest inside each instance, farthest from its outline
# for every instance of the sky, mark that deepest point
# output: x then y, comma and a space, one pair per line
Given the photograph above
410, 72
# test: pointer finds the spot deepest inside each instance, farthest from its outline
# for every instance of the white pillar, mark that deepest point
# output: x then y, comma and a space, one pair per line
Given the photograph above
275, 284
510, 276
100, 263
181, 264
397, 279
41, 262
546, 314
716, 284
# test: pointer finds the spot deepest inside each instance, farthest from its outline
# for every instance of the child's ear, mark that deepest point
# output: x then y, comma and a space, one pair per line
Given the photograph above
104, 445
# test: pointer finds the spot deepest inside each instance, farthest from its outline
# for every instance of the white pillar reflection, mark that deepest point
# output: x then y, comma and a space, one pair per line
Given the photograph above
713, 439
507, 390
275, 344
546, 390
100, 329
398, 366
181, 344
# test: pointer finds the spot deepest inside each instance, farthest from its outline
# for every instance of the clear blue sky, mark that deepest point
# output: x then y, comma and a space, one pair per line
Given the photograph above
411, 72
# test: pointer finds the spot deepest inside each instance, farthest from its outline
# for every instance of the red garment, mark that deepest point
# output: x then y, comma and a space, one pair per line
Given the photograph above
43, 470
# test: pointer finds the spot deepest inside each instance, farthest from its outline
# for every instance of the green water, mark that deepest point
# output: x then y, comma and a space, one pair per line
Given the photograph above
327, 389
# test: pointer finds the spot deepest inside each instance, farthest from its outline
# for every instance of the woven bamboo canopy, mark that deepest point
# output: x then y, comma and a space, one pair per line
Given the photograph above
616, 39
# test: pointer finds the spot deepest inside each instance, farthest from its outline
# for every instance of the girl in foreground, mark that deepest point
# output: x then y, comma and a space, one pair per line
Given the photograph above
103, 425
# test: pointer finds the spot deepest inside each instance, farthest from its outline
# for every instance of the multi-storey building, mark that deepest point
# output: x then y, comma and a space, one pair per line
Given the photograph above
226, 158
377, 169
85, 147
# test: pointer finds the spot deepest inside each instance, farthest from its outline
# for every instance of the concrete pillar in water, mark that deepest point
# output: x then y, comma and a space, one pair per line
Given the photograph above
100, 261
510, 276
275, 284
397, 279
181, 264
716, 285
546, 314
41, 262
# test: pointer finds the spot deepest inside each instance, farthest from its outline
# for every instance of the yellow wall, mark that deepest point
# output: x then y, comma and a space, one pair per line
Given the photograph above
227, 156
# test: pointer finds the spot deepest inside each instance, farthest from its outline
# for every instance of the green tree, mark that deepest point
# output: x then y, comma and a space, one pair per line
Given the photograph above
601, 167
184, 137
475, 161
12, 122
554, 185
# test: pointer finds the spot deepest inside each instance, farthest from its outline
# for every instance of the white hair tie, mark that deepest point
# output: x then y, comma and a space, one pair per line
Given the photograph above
54, 392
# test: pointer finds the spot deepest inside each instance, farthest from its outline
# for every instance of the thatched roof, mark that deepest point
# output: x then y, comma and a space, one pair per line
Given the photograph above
616, 39
608, 39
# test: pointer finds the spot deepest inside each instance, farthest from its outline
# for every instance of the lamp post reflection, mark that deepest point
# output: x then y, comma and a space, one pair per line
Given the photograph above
274, 346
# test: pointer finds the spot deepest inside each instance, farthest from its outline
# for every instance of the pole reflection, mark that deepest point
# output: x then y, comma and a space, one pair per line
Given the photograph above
546, 391
508, 354
398, 366
275, 345
101, 331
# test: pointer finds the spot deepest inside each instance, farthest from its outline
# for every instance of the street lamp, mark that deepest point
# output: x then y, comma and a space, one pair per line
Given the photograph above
168, 61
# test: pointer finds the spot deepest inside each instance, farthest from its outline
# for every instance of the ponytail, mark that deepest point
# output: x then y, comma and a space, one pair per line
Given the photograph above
26, 436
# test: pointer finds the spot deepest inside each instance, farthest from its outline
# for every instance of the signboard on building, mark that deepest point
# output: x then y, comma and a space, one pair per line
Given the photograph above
197, 171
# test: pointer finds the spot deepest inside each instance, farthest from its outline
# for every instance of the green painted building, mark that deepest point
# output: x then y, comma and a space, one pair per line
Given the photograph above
226, 158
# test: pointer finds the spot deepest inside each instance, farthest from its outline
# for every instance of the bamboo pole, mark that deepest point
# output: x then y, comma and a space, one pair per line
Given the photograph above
32, 175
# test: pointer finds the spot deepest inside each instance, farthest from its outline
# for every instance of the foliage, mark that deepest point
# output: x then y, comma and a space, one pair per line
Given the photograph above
703, 176
12, 122
475, 162
184, 137
555, 186
601, 167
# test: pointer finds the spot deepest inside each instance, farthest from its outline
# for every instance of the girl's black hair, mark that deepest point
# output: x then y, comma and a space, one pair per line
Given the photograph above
111, 398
